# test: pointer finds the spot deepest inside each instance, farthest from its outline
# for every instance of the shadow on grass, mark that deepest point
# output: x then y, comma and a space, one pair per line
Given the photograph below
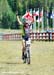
5, 62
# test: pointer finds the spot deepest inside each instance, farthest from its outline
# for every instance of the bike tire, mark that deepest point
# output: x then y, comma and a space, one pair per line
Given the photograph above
28, 57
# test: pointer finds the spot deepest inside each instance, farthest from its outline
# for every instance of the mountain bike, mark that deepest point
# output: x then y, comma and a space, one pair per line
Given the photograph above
27, 52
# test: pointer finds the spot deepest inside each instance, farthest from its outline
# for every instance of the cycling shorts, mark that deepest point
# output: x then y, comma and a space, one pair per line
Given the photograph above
25, 37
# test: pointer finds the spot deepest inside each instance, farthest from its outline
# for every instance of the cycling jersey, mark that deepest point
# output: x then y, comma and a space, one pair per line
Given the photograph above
26, 31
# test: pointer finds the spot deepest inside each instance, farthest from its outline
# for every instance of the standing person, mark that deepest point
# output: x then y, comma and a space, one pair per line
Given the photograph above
25, 34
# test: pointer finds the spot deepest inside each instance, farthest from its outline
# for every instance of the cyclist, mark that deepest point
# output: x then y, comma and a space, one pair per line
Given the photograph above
25, 34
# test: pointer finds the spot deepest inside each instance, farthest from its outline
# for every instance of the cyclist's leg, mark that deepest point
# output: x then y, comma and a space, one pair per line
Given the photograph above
23, 48
30, 44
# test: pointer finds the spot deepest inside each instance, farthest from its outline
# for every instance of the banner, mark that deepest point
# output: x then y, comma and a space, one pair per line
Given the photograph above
28, 17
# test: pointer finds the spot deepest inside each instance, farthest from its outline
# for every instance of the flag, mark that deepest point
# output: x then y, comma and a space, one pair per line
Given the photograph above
41, 16
52, 15
41, 13
31, 11
28, 17
38, 18
41, 19
36, 13
34, 23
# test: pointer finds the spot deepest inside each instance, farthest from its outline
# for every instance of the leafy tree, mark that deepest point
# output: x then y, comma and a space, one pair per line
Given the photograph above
12, 4
5, 21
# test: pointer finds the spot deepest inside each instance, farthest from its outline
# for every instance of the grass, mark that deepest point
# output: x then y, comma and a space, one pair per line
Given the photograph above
42, 58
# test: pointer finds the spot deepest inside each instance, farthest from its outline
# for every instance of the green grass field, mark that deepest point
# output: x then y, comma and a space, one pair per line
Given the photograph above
42, 59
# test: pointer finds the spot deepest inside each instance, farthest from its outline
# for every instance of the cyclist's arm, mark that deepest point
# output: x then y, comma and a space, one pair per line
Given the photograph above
19, 20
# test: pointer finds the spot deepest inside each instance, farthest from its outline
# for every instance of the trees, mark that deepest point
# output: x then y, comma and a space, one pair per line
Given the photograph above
8, 8
7, 16
12, 4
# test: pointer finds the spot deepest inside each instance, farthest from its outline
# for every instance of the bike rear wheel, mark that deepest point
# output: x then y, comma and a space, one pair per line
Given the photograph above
28, 57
